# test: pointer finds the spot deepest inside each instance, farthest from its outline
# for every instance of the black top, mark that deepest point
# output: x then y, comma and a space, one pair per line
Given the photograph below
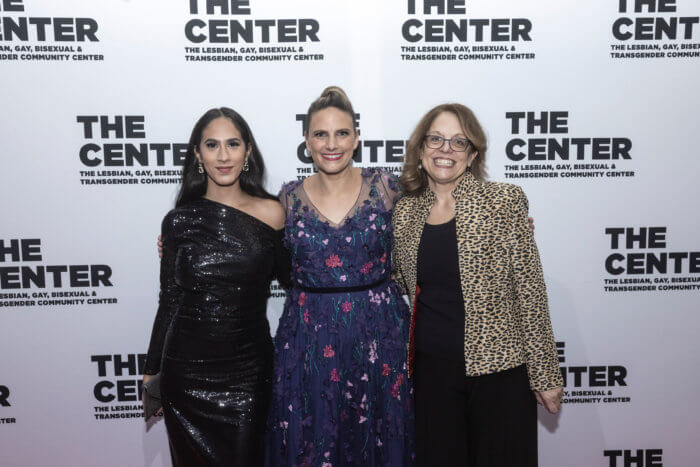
217, 264
440, 315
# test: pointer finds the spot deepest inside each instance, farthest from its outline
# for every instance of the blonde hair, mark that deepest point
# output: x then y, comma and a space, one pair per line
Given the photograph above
414, 180
332, 96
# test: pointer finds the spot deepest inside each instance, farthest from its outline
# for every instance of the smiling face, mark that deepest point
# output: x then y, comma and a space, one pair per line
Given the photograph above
445, 166
222, 151
331, 139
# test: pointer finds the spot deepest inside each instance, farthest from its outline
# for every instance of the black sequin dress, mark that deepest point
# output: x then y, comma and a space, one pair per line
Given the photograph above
211, 338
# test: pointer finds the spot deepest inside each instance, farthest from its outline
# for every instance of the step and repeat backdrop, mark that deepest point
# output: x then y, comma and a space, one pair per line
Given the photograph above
591, 107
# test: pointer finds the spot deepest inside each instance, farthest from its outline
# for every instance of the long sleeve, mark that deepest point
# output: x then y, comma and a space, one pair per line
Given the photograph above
169, 299
283, 261
395, 259
531, 293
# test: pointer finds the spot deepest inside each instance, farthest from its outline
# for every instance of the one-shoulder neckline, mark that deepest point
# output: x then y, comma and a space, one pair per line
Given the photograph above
260, 221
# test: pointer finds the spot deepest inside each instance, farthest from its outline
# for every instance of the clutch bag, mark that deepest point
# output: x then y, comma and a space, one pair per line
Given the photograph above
151, 396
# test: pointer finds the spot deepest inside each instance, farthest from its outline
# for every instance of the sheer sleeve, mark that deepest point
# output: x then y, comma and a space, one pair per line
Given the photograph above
390, 187
169, 299
283, 196
283, 261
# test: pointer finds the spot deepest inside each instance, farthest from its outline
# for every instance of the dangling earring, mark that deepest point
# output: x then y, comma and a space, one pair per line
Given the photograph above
420, 164
308, 153
200, 167
245, 166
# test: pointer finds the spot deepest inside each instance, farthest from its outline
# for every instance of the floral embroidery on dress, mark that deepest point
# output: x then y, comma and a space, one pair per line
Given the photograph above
340, 356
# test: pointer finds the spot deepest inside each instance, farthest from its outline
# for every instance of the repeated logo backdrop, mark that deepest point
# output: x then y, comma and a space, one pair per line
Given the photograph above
590, 106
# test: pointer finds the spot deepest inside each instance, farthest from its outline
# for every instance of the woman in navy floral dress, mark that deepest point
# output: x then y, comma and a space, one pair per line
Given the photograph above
340, 390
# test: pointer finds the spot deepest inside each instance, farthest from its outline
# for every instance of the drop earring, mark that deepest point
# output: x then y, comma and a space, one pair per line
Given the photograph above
245, 166
200, 167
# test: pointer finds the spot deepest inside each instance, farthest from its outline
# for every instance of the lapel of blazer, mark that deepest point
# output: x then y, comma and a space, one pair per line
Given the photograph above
468, 200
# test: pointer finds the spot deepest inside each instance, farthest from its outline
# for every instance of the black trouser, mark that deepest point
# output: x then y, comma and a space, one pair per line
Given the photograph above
480, 421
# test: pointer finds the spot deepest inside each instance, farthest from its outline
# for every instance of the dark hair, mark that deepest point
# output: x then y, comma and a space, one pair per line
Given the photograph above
413, 180
332, 96
194, 184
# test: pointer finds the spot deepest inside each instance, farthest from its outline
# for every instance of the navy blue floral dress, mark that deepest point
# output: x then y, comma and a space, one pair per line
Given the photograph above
341, 395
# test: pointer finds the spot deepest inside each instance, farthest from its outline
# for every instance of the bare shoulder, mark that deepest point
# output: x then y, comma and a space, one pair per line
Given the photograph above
269, 211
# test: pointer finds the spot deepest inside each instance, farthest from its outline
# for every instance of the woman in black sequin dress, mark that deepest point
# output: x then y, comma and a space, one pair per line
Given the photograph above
211, 338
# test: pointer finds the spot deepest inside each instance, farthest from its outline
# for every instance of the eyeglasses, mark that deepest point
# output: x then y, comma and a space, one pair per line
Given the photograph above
456, 143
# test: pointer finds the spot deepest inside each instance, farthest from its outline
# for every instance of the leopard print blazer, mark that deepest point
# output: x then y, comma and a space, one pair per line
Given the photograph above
505, 301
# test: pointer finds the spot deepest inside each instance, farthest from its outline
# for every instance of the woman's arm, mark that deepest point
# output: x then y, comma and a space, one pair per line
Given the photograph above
531, 295
395, 259
169, 299
283, 261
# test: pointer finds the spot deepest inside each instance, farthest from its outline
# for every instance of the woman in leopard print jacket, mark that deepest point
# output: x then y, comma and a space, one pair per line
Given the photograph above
481, 345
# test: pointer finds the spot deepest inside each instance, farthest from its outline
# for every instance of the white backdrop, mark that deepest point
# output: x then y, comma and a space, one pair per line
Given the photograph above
85, 84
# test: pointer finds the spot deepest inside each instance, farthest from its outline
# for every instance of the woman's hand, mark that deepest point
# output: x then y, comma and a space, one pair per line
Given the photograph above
160, 241
551, 399
530, 224
159, 412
